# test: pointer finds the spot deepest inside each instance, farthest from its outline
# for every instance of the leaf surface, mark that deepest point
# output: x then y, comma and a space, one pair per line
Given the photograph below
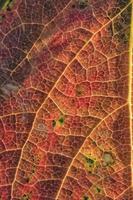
66, 100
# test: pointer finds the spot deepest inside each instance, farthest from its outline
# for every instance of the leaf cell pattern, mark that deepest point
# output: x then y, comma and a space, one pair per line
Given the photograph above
66, 99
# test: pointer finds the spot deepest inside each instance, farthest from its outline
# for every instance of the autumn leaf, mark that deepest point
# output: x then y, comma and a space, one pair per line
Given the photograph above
66, 100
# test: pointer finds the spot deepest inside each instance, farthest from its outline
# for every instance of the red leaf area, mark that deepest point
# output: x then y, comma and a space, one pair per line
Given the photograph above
64, 113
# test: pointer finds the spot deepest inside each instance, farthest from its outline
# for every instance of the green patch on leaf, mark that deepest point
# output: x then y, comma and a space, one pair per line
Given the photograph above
98, 189
86, 198
81, 4
2, 2
6, 4
59, 122
26, 197
90, 163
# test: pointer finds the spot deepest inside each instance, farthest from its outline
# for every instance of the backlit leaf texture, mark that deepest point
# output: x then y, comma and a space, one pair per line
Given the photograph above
66, 100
